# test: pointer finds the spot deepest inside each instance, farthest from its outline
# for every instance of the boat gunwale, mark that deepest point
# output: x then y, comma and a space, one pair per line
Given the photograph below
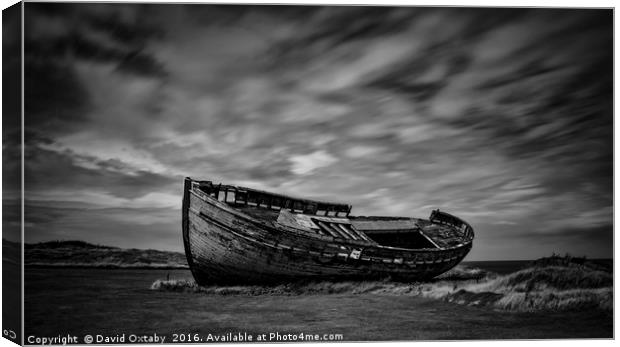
321, 202
305, 234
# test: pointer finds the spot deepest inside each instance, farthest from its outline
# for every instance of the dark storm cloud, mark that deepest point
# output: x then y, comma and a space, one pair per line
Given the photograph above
128, 59
11, 121
59, 36
58, 99
134, 33
322, 29
68, 171
502, 116
11, 70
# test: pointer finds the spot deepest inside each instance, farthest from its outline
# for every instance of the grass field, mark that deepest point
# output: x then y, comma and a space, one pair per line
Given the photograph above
117, 301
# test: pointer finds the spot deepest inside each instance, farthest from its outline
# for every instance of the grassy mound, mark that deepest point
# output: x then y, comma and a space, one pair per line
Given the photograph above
463, 273
570, 261
556, 284
85, 255
64, 244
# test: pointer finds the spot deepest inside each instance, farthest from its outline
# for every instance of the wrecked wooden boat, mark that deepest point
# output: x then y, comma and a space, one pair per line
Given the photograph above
238, 235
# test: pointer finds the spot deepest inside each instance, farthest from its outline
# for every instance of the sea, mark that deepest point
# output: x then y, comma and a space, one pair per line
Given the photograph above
119, 306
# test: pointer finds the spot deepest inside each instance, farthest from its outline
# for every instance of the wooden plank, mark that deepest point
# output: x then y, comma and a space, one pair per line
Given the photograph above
297, 221
321, 232
361, 234
429, 239
332, 206
390, 231
344, 229
395, 224
338, 231
328, 229
187, 186
332, 219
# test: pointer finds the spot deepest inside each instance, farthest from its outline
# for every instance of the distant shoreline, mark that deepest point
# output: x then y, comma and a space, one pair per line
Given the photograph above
477, 263
80, 254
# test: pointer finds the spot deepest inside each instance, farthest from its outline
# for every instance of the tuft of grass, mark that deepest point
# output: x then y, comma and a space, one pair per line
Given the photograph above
542, 278
574, 299
546, 286
175, 285
463, 273
571, 261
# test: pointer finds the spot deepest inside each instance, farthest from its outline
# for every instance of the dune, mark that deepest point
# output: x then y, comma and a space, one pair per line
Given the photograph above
83, 254
531, 289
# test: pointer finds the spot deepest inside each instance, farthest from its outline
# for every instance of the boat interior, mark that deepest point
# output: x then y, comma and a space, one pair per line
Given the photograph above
333, 219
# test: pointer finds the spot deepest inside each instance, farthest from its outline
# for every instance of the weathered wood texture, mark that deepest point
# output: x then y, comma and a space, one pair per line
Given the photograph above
226, 245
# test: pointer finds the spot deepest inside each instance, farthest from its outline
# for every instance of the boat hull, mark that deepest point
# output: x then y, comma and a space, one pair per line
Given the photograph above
225, 247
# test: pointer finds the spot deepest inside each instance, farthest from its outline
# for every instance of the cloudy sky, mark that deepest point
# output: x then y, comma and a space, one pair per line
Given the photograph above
501, 116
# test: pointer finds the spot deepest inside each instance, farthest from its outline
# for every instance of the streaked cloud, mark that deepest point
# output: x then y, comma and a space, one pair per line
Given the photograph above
304, 164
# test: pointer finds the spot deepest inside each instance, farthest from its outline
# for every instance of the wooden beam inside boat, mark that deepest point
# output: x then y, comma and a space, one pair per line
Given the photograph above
328, 229
335, 227
344, 229
360, 234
